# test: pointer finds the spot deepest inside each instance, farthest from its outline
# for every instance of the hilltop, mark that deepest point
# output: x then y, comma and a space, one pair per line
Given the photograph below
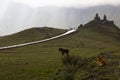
97, 37
29, 35
43, 61
102, 26
95, 34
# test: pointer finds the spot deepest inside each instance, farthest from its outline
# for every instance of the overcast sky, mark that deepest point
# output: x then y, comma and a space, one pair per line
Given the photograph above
4, 4
62, 3
17, 15
68, 3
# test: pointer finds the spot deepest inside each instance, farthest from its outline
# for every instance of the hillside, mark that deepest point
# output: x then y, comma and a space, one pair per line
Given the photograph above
94, 34
97, 37
43, 61
29, 35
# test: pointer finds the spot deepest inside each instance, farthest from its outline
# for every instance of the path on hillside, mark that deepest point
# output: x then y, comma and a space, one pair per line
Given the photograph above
40, 41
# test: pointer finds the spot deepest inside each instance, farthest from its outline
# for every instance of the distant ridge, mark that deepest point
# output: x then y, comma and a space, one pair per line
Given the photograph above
97, 33
32, 34
102, 26
99, 37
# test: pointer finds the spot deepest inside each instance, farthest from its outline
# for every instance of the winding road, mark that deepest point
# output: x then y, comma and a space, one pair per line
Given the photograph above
40, 41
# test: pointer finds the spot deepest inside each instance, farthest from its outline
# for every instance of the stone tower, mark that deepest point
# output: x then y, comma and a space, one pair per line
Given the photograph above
97, 17
104, 18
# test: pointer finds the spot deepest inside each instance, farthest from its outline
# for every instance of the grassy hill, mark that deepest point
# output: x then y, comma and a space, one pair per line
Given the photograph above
43, 61
91, 35
29, 35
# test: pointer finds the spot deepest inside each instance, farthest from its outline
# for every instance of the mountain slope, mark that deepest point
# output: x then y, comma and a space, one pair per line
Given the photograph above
42, 61
92, 40
96, 38
32, 34
93, 34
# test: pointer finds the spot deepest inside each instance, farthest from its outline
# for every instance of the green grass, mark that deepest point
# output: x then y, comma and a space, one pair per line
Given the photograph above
90, 70
30, 35
41, 61
28, 64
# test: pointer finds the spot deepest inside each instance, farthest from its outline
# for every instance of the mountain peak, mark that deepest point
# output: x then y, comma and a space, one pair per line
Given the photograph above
101, 26
97, 21
102, 21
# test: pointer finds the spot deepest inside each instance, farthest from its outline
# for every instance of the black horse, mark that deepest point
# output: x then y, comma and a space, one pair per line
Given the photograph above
64, 51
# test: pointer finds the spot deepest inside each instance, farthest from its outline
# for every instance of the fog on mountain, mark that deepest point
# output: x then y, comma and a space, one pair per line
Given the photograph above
19, 17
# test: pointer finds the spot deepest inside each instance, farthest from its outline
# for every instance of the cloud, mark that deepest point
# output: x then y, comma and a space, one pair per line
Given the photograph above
68, 3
